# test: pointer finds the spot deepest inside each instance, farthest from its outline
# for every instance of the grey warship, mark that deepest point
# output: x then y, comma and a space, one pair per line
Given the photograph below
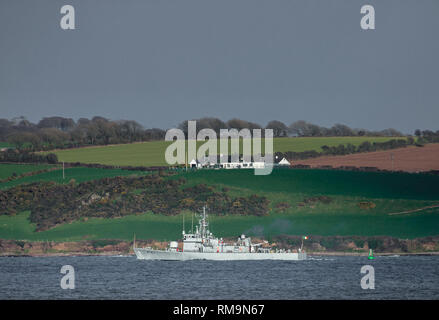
202, 245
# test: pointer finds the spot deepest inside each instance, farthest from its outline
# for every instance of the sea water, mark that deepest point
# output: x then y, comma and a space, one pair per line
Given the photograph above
125, 277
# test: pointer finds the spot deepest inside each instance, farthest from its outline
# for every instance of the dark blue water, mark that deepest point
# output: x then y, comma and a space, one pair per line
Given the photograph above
414, 277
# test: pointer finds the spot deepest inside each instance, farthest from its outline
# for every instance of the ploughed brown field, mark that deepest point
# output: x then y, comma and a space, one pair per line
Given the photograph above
410, 159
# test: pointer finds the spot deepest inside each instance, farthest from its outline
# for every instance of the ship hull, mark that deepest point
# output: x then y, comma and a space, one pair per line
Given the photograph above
150, 254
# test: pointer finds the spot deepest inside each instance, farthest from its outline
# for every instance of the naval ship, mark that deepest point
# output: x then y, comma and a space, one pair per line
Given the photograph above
202, 245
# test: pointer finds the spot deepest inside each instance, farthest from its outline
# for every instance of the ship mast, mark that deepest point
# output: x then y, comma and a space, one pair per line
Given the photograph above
203, 224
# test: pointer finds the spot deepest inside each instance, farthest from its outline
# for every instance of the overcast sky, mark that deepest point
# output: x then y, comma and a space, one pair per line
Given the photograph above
162, 61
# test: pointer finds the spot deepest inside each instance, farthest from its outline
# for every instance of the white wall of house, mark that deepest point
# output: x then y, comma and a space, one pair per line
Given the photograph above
228, 165
244, 165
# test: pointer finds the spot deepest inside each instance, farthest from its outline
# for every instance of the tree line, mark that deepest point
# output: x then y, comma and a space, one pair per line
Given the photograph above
299, 128
24, 156
349, 148
59, 132
427, 136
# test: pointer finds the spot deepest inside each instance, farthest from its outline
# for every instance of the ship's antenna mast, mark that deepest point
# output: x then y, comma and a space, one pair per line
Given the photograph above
192, 223
204, 223
134, 242
183, 222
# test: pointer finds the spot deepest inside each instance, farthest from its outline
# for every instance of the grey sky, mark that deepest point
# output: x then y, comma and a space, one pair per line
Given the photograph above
161, 61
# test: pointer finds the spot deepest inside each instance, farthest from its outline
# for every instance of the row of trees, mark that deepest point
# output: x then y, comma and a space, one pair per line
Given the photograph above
58, 132
23, 156
349, 148
299, 128
427, 136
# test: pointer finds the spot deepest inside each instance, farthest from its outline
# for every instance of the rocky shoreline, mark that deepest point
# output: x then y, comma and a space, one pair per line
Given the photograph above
311, 254
341, 246
71, 248
365, 254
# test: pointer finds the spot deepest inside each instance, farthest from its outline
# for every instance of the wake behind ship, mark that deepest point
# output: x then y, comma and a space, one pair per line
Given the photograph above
202, 245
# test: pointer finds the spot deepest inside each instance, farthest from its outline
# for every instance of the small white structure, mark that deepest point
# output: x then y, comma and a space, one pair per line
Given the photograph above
200, 164
194, 164
232, 165
284, 162
243, 165
173, 246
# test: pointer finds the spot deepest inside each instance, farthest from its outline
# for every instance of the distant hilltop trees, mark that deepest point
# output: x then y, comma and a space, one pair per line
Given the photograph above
296, 129
59, 132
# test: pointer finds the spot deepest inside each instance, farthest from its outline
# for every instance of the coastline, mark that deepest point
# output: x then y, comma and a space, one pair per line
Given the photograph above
376, 254
311, 254
20, 248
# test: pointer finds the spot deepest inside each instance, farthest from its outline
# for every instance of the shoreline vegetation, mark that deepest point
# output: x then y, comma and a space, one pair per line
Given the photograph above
315, 246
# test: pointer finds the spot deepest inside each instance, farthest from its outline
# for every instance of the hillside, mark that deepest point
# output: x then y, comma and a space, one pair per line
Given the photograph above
153, 153
313, 202
78, 174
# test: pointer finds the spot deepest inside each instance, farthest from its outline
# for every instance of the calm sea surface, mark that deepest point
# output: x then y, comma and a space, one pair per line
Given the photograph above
117, 277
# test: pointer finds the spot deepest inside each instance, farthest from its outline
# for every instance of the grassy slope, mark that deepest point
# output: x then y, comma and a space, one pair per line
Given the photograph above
5, 144
149, 226
326, 182
80, 174
153, 153
6, 169
391, 192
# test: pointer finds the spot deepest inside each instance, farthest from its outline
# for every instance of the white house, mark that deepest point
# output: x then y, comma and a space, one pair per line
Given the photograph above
284, 162
227, 165
243, 165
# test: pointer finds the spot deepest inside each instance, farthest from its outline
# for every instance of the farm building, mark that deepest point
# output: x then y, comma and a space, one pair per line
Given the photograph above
284, 162
227, 165
194, 164
243, 165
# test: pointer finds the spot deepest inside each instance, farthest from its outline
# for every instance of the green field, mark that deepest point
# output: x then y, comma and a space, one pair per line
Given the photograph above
80, 174
390, 192
381, 185
153, 153
6, 145
149, 226
7, 170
